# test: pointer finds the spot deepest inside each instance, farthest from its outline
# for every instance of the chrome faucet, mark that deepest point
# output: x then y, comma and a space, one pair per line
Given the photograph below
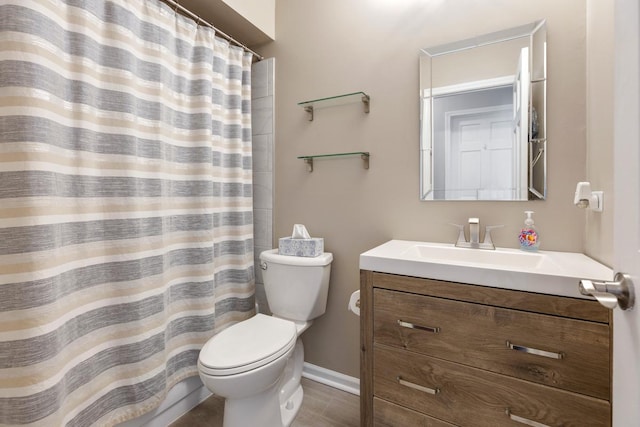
474, 231
474, 235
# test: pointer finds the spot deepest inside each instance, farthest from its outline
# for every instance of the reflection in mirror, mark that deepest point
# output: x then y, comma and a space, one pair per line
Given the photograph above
483, 117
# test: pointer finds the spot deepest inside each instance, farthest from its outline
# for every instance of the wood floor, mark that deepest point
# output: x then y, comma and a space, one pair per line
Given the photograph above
323, 406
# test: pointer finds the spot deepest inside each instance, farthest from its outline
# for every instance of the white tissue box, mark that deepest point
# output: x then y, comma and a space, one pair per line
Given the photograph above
301, 247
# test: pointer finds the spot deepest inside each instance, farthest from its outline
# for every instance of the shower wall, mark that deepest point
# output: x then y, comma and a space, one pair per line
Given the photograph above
262, 125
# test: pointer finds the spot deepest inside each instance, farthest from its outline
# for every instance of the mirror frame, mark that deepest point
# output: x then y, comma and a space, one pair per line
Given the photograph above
536, 161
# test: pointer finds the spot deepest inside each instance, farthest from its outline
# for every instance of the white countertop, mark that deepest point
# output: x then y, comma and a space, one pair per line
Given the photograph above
546, 272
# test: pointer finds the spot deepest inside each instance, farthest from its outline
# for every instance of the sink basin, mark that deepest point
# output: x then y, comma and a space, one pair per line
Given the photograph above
554, 273
499, 258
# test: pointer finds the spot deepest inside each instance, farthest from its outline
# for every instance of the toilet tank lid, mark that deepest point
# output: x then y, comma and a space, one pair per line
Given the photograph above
273, 256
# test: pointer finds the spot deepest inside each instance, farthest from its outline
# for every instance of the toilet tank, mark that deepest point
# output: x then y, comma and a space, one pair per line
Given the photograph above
296, 287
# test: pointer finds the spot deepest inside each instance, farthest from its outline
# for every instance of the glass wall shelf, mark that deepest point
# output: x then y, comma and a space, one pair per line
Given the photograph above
333, 101
308, 160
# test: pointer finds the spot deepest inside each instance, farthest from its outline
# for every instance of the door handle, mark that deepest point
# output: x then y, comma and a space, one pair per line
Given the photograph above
620, 292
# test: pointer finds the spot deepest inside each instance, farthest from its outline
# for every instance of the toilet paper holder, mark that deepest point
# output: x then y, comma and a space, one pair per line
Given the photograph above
619, 292
354, 303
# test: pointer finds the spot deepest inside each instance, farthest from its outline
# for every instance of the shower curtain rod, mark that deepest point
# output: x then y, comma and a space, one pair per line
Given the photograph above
199, 20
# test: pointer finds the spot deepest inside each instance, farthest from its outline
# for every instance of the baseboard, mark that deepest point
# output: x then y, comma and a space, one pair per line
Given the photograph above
187, 394
331, 378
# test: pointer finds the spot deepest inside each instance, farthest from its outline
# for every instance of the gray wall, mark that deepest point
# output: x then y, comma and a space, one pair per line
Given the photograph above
336, 46
600, 34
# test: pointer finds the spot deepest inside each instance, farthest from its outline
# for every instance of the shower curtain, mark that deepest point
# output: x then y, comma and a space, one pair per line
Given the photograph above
125, 205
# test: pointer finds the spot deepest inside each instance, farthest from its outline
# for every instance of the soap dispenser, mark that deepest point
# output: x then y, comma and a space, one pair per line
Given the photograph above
529, 237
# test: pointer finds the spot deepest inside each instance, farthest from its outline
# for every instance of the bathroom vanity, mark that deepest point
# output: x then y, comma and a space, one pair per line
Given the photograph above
501, 348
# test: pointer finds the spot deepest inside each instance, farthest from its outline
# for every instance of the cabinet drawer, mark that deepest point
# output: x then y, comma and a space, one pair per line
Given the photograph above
560, 352
387, 414
473, 397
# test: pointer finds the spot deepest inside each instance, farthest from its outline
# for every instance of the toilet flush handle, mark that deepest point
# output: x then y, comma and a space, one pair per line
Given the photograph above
263, 265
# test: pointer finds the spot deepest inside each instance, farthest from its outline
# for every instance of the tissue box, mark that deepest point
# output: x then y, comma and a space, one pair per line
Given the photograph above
301, 247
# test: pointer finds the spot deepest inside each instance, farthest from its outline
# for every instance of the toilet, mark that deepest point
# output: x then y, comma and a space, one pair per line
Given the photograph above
256, 364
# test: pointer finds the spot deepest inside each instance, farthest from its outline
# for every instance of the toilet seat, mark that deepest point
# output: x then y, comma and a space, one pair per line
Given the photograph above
247, 345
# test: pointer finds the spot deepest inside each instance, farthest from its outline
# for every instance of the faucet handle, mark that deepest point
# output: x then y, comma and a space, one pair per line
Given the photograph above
461, 237
487, 233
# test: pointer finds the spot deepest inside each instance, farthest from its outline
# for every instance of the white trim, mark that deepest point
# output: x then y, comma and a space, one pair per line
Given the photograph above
187, 394
331, 378
475, 85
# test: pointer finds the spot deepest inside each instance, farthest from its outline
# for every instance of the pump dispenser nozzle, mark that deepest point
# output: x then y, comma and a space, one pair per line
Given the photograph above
529, 219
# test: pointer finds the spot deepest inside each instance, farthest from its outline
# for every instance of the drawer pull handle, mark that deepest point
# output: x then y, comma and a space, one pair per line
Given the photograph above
524, 421
422, 328
417, 386
535, 351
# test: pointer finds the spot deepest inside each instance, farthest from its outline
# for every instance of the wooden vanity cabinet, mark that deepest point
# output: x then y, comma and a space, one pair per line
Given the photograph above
437, 353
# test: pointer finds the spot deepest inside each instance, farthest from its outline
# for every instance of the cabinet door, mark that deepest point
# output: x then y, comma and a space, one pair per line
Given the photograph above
560, 352
467, 396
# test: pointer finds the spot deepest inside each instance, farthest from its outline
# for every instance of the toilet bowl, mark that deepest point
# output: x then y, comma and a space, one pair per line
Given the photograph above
244, 364
256, 364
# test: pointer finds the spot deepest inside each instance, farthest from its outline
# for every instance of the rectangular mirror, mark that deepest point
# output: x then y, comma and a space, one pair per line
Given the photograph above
483, 117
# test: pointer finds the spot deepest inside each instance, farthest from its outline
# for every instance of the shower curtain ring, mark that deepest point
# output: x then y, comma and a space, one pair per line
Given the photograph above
175, 9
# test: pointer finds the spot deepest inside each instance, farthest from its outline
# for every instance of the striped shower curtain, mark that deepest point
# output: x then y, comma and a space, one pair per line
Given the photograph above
125, 205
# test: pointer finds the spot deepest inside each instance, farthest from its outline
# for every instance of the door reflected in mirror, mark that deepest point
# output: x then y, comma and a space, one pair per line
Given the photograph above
483, 109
